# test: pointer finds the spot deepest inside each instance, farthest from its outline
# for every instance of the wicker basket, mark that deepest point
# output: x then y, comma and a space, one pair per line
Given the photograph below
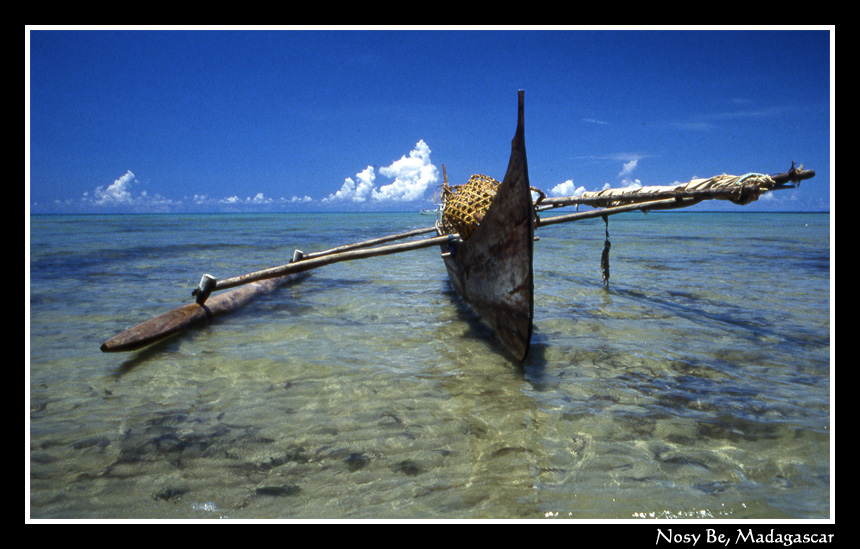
466, 205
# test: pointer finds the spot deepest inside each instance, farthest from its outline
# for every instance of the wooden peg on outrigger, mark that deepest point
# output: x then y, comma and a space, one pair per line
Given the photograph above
202, 291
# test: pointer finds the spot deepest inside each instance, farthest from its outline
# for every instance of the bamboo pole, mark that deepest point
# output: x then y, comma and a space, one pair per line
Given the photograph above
313, 263
368, 243
665, 204
600, 201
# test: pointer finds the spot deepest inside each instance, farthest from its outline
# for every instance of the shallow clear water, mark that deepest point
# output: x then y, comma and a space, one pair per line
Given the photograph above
697, 386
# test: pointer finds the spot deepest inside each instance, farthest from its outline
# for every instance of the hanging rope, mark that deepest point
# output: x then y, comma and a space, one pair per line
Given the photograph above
604, 257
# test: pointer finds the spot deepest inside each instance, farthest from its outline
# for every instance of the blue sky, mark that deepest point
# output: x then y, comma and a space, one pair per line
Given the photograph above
187, 120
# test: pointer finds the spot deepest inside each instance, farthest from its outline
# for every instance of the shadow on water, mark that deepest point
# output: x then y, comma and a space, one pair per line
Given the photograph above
693, 308
477, 329
533, 364
148, 354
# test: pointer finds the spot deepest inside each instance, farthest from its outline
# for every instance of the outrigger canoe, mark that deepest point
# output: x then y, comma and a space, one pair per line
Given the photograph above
488, 253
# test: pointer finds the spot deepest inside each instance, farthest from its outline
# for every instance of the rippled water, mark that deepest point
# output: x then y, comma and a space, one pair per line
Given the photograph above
697, 386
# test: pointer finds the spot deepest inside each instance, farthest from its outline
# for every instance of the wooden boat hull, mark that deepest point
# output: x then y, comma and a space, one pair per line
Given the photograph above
492, 271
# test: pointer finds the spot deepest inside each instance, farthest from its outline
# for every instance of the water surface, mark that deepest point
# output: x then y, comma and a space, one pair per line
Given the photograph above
696, 386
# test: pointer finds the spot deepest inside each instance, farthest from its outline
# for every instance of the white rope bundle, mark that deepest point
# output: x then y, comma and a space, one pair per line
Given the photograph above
741, 189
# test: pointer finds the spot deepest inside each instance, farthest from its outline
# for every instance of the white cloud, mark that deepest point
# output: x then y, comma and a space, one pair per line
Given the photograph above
628, 167
347, 192
627, 184
118, 192
122, 196
568, 188
366, 177
412, 175
256, 200
351, 192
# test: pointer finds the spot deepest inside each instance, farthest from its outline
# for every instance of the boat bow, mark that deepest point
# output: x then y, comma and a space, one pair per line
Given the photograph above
492, 270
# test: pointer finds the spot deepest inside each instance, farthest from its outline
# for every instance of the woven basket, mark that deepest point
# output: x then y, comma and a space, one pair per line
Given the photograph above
466, 205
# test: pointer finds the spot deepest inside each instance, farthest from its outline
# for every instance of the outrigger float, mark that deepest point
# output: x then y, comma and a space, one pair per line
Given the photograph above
486, 234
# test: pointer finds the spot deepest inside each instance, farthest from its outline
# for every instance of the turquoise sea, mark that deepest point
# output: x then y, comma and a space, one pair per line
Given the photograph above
698, 386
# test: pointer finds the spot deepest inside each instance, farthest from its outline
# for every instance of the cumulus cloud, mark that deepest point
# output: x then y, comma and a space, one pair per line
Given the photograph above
352, 192
118, 192
568, 188
412, 174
